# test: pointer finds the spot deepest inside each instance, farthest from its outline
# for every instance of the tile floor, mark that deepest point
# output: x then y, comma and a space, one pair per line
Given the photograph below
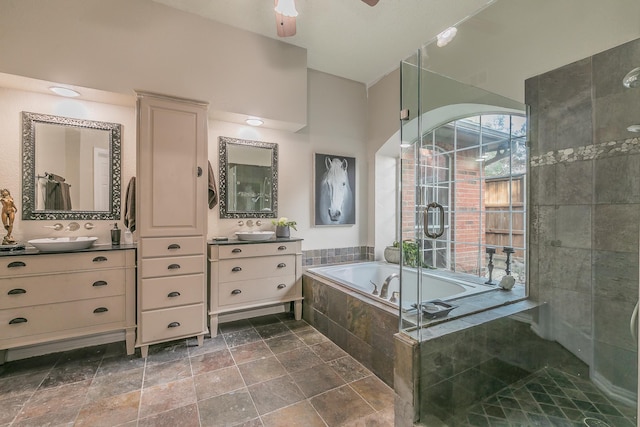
549, 397
267, 371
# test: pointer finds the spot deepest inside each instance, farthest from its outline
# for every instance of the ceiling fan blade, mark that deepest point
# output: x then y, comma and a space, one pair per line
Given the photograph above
371, 2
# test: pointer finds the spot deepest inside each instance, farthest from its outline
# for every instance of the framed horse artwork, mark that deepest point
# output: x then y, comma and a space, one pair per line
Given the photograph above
334, 189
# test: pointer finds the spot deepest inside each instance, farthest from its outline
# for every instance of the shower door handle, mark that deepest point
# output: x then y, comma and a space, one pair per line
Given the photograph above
634, 323
425, 220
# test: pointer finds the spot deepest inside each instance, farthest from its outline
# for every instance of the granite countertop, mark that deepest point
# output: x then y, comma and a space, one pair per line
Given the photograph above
249, 242
29, 250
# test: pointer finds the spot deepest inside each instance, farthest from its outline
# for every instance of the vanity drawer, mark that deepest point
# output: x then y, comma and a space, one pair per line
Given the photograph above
171, 246
162, 292
172, 266
231, 270
17, 322
25, 291
253, 250
270, 289
53, 263
159, 325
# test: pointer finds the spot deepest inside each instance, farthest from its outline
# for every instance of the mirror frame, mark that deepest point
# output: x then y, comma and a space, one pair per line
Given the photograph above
29, 120
223, 163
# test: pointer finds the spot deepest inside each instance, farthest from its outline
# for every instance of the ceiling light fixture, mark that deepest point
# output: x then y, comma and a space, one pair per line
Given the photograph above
634, 128
254, 121
632, 79
446, 36
64, 91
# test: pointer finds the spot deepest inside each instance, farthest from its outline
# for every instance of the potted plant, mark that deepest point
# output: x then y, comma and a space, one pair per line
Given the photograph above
392, 253
283, 226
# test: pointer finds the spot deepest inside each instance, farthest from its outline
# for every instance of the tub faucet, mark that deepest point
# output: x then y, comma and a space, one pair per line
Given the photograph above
384, 292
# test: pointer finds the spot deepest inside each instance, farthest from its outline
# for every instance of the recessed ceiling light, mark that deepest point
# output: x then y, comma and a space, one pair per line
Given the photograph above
634, 128
64, 91
632, 79
254, 121
446, 36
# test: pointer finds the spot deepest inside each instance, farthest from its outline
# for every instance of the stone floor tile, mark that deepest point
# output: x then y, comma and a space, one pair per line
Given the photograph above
241, 337
375, 392
10, 408
112, 384
300, 414
64, 416
261, 370
69, 371
211, 361
167, 372
115, 364
227, 409
284, 343
299, 359
21, 385
274, 394
48, 400
343, 397
165, 397
328, 351
110, 411
265, 320
384, 418
210, 344
248, 352
218, 382
236, 325
167, 352
349, 368
272, 330
317, 379
184, 416
310, 336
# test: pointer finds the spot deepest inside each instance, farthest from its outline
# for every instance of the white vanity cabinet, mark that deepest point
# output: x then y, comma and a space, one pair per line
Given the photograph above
52, 297
244, 276
171, 194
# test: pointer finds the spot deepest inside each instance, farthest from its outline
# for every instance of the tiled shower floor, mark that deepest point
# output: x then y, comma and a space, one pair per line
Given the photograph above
549, 397
267, 371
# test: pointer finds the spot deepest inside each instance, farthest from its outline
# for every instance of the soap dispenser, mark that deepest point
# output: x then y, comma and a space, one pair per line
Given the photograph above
115, 235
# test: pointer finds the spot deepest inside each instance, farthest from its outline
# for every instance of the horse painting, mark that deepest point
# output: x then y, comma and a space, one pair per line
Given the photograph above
334, 196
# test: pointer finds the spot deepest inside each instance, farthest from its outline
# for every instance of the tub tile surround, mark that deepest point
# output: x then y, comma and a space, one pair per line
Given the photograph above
315, 257
584, 204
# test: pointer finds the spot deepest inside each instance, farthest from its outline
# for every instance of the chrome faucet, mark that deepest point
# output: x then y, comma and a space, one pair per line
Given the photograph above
384, 292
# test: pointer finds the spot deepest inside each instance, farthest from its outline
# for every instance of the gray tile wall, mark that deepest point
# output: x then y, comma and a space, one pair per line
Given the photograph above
362, 330
585, 207
337, 255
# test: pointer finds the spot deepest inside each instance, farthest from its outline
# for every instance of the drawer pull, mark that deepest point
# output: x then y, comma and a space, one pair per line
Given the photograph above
99, 283
101, 310
16, 291
236, 269
173, 325
100, 259
173, 246
174, 266
236, 251
282, 265
282, 248
17, 320
173, 294
282, 286
236, 292
16, 264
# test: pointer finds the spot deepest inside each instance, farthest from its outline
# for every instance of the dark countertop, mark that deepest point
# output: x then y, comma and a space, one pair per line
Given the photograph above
249, 242
29, 250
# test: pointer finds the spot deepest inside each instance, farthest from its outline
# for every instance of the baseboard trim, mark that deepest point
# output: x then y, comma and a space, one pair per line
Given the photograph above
614, 392
63, 345
239, 315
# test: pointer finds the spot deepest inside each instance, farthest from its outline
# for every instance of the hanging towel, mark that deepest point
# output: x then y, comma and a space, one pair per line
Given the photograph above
57, 196
130, 205
55, 177
213, 193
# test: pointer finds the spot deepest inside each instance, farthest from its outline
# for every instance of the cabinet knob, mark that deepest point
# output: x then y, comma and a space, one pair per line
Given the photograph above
173, 325
282, 286
100, 259
199, 172
17, 320
282, 265
236, 251
236, 292
282, 248
236, 269
99, 283
101, 310
16, 291
173, 266
173, 294
16, 264
173, 246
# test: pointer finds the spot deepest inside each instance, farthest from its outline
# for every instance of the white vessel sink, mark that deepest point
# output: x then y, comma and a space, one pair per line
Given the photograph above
62, 244
254, 235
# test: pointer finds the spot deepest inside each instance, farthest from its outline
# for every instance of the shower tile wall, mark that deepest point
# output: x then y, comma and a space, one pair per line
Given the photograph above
585, 208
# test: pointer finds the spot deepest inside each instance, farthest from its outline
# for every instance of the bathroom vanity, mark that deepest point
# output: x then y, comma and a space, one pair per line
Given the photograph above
47, 297
245, 275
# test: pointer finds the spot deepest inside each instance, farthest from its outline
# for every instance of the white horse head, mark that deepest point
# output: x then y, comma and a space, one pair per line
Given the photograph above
336, 198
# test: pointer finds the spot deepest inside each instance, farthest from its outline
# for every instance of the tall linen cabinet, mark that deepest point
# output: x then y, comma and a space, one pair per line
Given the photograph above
171, 219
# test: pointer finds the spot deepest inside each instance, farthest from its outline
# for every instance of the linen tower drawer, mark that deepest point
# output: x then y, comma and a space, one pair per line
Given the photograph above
162, 292
169, 323
172, 246
172, 266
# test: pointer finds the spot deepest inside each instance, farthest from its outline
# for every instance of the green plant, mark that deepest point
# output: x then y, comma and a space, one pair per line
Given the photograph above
284, 222
411, 254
